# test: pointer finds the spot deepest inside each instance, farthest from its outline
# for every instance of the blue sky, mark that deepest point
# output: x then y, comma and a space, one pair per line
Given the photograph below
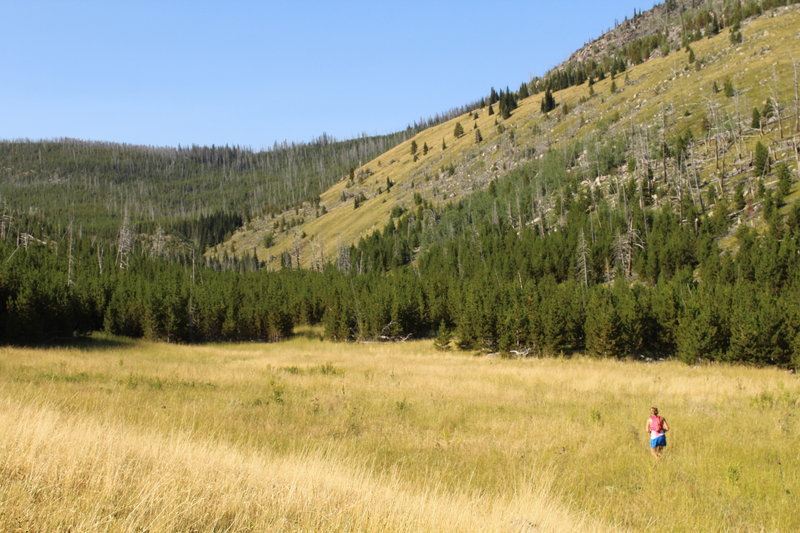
251, 73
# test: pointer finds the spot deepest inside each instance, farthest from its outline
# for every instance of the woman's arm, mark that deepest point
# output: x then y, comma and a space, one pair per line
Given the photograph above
664, 424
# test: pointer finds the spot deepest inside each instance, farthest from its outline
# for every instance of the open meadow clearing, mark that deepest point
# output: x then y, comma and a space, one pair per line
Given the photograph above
306, 435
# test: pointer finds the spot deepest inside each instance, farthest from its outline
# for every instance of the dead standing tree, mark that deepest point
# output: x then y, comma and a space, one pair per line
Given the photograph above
583, 259
124, 242
624, 245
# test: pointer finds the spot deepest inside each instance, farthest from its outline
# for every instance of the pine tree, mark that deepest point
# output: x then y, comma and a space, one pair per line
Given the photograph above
548, 102
784, 179
700, 334
757, 328
727, 87
458, 131
425, 149
769, 110
507, 103
760, 160
603, 328
755, 123
443, 337
523, 91
478, 136
413, 147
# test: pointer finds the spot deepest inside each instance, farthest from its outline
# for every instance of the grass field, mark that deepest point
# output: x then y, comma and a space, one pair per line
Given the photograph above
306, 435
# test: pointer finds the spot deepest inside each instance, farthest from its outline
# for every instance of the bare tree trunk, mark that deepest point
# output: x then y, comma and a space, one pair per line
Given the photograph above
69, 257
297, 248
124, 242
796, 98
776, 101
583, 259
740, 131
100, 252
715, 133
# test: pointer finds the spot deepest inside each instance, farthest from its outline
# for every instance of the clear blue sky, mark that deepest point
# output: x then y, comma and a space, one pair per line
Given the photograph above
251, 73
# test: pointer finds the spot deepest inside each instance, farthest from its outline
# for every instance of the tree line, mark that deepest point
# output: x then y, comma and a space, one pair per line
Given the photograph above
607, 272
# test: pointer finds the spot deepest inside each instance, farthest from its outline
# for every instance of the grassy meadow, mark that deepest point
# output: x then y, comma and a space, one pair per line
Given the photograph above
306, 435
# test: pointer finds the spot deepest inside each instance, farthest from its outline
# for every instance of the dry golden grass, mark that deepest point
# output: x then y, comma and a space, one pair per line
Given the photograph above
313, 436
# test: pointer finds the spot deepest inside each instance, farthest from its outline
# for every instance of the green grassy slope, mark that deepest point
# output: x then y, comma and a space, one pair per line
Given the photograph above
659, 99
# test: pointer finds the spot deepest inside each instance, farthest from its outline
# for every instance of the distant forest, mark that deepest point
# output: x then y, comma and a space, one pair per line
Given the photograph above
95, 185
608, 273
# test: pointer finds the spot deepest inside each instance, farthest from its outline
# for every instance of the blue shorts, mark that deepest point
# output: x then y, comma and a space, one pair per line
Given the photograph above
658, 441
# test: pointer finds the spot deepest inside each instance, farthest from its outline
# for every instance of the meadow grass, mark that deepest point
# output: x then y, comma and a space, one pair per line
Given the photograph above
307, 435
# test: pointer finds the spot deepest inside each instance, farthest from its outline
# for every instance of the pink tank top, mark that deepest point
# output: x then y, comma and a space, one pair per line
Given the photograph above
656, 427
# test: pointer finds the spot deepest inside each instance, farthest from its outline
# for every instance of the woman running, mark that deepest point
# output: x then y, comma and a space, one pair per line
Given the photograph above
657, 426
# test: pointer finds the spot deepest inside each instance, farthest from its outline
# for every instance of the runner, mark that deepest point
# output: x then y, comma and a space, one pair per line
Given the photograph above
657, 426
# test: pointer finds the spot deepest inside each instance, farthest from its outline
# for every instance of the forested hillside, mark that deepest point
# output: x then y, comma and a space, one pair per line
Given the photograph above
651, 213
94, 185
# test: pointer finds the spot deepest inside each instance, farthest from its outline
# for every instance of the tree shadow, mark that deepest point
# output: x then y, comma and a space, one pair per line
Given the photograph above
87, 343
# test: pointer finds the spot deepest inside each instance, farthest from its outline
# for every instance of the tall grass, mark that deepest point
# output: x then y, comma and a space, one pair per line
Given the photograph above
314, 436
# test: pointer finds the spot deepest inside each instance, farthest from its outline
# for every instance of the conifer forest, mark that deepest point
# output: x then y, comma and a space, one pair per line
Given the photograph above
620, 243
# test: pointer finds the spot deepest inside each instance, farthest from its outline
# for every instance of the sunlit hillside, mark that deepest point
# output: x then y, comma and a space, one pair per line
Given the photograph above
708, 88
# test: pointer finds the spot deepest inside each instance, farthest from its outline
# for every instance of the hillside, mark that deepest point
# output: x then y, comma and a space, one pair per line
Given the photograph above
698, 99
94, 186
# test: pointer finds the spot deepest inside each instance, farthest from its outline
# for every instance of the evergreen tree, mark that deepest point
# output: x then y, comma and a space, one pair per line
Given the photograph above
458, 131
784, 180
523, 91
443, 337
755, 122
760, 160
700, 332
506, 103
727, 87
757, 329
603, 329
413, 147
769, 110
548, 102
478, 136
